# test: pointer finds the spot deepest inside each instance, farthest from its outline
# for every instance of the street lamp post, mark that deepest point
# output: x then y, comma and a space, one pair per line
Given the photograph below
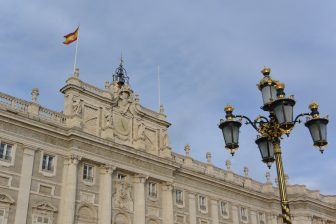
271, 129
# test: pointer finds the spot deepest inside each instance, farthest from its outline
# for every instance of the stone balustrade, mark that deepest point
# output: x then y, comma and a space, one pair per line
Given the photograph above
12, 103
293, 190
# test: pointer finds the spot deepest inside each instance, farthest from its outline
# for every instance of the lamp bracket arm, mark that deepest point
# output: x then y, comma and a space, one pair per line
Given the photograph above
297, 119
248, 121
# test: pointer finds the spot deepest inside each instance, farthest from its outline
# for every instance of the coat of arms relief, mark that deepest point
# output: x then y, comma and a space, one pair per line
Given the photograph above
122, 198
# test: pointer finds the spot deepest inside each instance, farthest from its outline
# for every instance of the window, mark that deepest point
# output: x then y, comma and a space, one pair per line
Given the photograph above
152, 190
42, 220
179, 197
261, 218
243, 214
2, 216
48, 163
6, 151
224, 208
202, 203
121, 177
88, 173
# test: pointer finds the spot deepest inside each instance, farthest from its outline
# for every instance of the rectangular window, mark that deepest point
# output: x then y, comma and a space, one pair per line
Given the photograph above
243, 214
88, 173
2, 216
42, 220
202, 203
121, 177
262, 218
152, 190
224, 208
6, 151
179, 197
48, 163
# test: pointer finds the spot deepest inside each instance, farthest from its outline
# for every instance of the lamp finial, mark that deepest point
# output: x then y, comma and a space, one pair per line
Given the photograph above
266, 71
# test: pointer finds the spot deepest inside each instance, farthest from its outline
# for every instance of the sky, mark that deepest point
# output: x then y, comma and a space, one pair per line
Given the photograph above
210, 54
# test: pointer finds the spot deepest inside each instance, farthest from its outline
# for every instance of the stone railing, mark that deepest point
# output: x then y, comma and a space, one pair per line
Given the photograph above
25, 107
52, 116
13, 103
247, 182
92, 89
88, 87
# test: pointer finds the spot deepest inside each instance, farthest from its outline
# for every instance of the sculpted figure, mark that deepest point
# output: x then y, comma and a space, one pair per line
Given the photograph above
165, 140
141, 132
77, 105
108, 117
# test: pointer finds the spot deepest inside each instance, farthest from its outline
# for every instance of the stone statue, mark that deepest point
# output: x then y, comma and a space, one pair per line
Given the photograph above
108, 118
165, 140
141, 132
77, 106
35, 93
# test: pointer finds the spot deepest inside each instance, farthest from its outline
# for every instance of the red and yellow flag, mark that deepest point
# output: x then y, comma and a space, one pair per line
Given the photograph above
71, 37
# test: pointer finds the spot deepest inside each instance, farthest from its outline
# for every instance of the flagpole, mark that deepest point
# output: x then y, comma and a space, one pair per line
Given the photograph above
77, 42
159, 90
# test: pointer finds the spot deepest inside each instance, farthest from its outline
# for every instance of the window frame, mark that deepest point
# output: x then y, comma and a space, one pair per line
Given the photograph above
151, 186
201, 207
45, 172
87, 177
227, 215
43, 216
246, 214
181, 203
124, 176
4, 215
261, 217
5, 162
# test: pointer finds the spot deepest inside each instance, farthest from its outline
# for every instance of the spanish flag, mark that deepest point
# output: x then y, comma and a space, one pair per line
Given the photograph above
71, 37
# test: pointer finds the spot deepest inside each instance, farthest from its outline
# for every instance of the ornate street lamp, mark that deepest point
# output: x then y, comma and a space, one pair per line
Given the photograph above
280, 122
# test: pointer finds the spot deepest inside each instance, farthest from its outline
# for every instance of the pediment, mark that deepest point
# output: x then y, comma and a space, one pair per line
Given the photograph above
4, 198
46, 206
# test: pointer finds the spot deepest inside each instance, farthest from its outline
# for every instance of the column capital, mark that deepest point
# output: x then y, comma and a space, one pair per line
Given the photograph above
107, 169
72, 159
213, 201
167, 186
192, 195
140, 178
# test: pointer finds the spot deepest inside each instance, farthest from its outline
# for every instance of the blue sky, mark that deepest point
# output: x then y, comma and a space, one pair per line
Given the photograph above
210, 54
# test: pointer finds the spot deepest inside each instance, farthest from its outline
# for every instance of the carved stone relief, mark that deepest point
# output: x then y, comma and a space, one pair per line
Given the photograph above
90, 119
77, 106
122, 198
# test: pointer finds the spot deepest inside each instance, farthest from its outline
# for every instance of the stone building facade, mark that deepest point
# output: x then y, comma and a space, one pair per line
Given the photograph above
107, 160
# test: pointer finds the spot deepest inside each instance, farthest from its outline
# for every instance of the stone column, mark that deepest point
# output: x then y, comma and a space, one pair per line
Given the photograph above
105, 194
254, 219
192, 208
24, 189
167, 204
235, 214
70, 190
214, 211
139, 200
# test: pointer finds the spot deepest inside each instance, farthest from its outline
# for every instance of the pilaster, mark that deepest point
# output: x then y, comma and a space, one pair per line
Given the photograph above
69, 190
254, 217
25, 184
235, 214
105, 194
139, 199
167, 204
214, 211
192, 208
